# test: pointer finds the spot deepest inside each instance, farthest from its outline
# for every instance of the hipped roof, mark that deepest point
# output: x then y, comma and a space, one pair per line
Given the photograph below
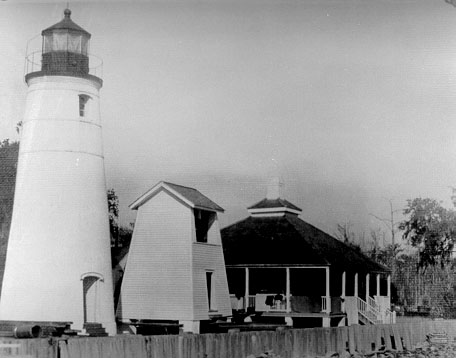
274, 203
190, 196
289, 241
66, 24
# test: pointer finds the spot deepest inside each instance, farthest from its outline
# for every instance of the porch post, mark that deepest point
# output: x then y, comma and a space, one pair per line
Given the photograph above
388, 285
326, 321
388, 293
288, 305
378, 284
247, 293
328, 297
356, 285
344, 274
367, 287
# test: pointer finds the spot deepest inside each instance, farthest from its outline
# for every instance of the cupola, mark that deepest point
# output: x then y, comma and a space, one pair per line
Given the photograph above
273, 204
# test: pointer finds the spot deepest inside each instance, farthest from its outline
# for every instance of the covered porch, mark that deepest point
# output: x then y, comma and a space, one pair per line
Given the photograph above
298, 292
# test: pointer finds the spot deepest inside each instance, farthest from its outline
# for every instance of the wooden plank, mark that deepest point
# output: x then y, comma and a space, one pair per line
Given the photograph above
397, 337
332, 339
342, 339
313, 341
387, 336
320, 341
357, 338
288, 343
351, 339
405, 335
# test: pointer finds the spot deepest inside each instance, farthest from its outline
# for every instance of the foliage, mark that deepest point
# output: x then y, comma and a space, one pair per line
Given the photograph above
432, 287
385, 255
431, 229
346, 235
120, 235
8, 162
113, 211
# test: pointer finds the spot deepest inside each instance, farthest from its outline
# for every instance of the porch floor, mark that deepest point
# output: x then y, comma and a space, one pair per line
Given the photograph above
303, 314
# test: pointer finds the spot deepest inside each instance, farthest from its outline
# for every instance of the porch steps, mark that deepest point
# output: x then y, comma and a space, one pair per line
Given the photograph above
94, 329
368, 312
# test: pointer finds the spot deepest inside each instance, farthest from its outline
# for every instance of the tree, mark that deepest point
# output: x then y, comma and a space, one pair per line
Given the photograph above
390, 223
113, 212
431, 229
120, 235
8, 163
346, 235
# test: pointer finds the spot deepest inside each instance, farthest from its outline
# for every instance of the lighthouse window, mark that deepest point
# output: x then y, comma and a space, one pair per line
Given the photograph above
83, 99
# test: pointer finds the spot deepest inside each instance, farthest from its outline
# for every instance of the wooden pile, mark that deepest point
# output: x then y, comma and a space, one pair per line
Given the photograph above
437, 338
29, 329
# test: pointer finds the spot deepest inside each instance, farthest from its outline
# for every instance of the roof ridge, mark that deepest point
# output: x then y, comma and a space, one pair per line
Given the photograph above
179, 185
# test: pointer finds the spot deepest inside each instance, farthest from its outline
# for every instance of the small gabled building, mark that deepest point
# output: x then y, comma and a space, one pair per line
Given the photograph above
279, 266
175, 269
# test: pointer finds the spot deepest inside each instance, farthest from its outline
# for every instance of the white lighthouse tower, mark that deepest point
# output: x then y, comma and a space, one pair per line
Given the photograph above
58, 264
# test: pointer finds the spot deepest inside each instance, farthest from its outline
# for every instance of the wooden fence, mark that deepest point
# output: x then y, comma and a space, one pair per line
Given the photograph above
288, 343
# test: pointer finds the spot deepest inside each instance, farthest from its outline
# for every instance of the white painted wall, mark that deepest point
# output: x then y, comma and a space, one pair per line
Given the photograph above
157, 283
60, 227
207, 257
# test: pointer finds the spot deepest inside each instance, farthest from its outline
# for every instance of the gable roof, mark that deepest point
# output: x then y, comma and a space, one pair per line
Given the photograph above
289, 241
190, 196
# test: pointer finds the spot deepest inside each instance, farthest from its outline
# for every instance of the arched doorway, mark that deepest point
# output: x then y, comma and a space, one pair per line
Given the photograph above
90, 287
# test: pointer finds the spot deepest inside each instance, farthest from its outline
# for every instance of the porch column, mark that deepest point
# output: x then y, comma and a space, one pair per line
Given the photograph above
378, 284
326, 321
344, 274
388, 287
247, 293
367, 287
328, 297
288, 303
356, 285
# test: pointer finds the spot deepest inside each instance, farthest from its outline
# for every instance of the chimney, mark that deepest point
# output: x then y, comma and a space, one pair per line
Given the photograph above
275, 189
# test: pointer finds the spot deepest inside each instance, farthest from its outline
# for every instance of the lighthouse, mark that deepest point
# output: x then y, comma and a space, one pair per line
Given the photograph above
58, 264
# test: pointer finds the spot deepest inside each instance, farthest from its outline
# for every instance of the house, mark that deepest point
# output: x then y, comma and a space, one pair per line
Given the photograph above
175, 271
281, 267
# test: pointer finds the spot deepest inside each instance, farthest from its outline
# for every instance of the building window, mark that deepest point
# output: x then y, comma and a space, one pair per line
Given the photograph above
83, 99
203, 222
210, 291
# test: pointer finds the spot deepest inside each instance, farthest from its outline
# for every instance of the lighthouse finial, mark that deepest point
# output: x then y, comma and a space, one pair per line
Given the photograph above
67, 13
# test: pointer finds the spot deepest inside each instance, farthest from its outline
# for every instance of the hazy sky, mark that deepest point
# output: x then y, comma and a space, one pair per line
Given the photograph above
353, 103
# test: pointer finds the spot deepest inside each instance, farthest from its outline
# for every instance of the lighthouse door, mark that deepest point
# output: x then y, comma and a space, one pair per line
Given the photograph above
90, 291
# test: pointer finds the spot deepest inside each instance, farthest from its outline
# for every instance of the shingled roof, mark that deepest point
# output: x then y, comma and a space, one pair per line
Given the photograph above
190, 196
289, 241
274, 203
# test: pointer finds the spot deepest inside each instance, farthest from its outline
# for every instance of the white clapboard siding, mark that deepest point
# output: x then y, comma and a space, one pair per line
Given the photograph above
207, 257
157, 283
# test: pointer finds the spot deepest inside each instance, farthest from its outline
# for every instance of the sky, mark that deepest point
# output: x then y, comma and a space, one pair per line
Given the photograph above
351, 102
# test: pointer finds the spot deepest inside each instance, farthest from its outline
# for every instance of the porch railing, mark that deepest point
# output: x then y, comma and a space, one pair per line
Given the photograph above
239, 303
373, 303
325, 303
390, 317
368, 311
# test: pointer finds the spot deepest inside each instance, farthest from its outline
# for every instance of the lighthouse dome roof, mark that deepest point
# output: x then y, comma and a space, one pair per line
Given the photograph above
66, 24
